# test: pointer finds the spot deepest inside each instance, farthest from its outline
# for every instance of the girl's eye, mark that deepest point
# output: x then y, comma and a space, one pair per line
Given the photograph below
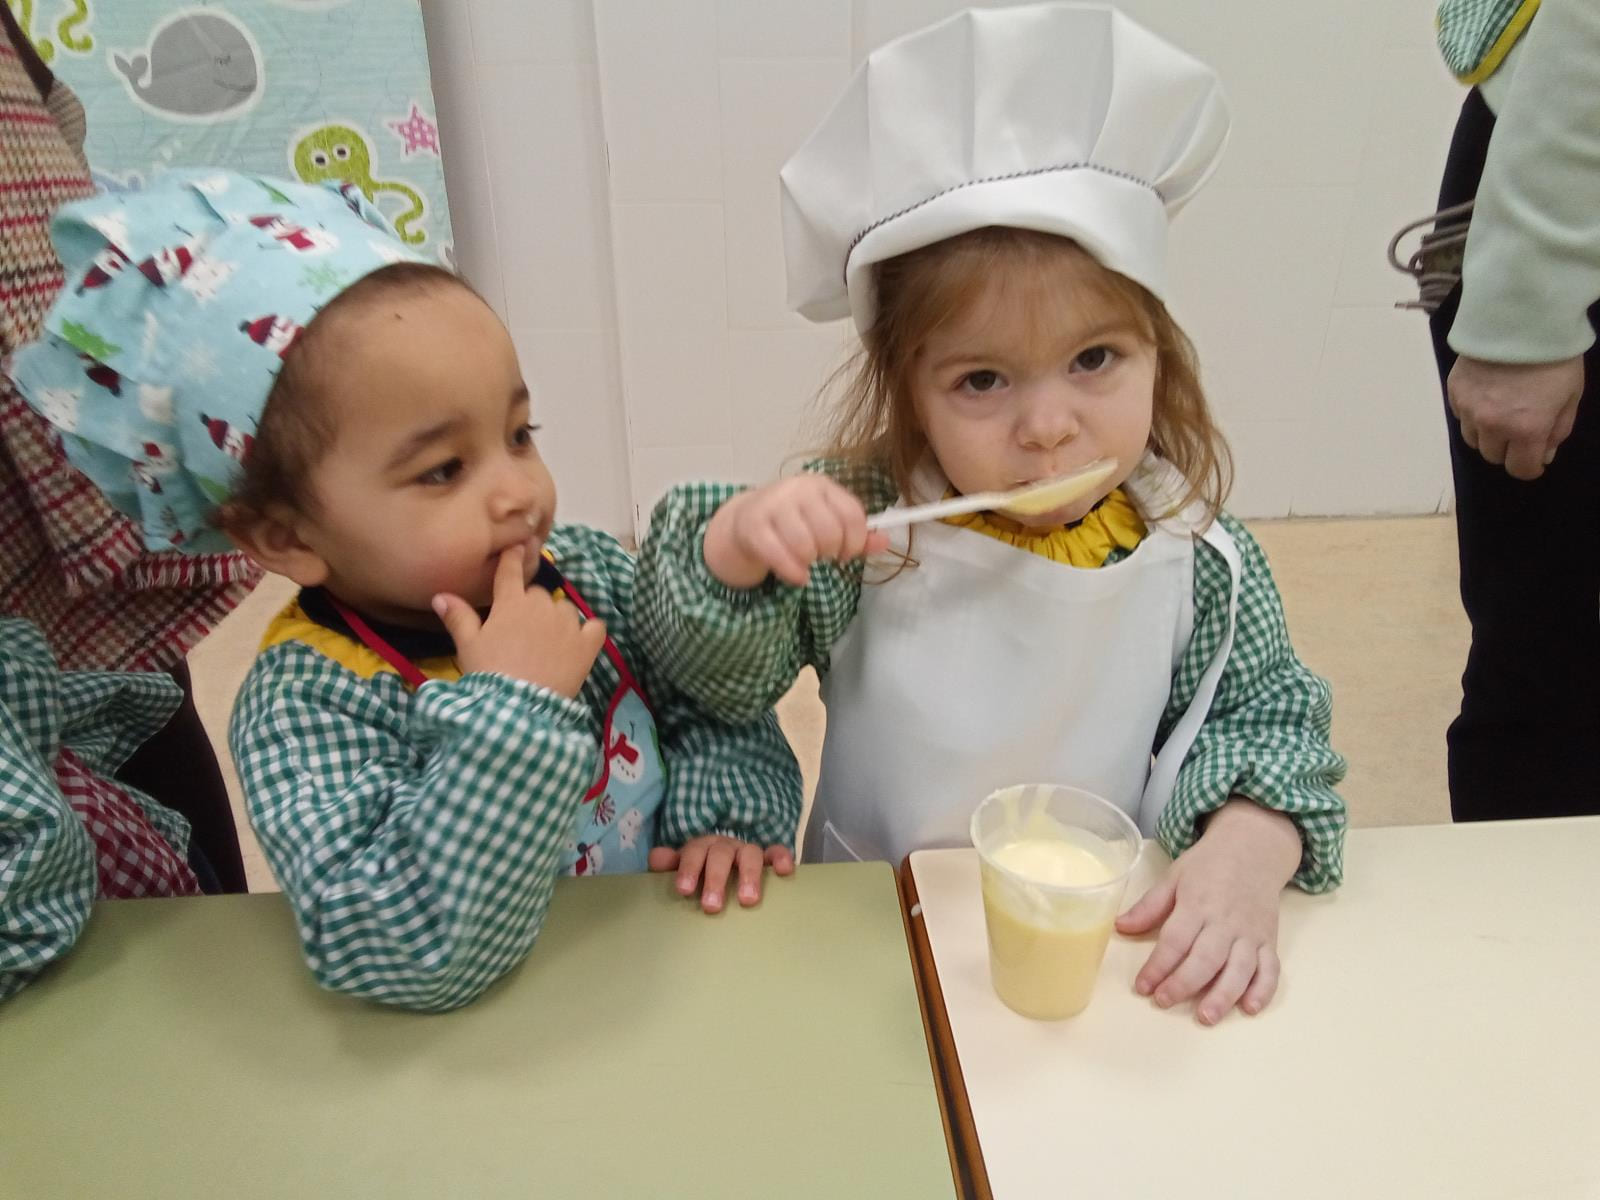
1095, 358
981, 381
523, 437
441, 475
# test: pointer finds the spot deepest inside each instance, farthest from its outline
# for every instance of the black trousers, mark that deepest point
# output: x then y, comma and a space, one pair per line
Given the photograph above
1527, 742
179, 768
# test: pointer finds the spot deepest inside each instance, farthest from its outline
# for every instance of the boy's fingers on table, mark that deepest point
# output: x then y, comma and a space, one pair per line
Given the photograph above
691, 860
663, 858
751, 866
719, 863
780, 859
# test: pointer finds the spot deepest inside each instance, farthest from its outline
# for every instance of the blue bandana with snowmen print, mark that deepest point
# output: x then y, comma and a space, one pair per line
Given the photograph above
179, 305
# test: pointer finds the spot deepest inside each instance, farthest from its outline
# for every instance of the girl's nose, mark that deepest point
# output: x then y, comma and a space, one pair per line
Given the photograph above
1049, 416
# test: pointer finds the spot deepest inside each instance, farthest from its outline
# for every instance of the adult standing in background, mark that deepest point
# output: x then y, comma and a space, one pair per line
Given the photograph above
1515, 343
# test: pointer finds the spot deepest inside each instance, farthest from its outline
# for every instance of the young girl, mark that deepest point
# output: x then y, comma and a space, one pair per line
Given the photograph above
454, 711
990, 201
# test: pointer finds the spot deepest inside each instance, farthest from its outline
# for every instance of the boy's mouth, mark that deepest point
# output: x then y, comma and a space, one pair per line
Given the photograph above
531, 543
538, 531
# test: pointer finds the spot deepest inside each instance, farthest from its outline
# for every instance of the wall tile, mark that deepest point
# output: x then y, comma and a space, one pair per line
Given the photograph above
673, 317
531, 31
658, 81
783, 28
768, 110
1376, 439
543, 136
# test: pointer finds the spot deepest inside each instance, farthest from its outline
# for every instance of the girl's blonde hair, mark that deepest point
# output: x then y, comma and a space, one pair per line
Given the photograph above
875, 422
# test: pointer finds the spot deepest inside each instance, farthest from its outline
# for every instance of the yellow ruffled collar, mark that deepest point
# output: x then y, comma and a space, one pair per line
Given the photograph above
1113, 524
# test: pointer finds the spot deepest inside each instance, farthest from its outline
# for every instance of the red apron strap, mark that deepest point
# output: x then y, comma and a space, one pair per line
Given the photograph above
615, 655
370, 639
409, 672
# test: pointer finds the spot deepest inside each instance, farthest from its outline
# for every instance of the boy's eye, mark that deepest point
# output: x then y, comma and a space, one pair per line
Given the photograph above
442, 474
981, 381
523, 437
1095, 358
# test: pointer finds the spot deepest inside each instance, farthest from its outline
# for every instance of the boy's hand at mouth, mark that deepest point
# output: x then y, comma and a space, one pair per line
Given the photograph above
528, 634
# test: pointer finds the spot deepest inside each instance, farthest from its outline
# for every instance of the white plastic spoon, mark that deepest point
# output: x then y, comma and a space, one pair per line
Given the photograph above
1031, 501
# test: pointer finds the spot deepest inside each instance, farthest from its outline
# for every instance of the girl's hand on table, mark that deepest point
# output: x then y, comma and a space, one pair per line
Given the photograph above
1217, 910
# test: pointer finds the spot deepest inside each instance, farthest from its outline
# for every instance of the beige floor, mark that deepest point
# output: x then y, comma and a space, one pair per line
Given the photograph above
1372, 605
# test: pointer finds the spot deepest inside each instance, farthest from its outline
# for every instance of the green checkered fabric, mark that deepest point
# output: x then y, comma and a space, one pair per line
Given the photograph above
1469, 29
47, 862
418, 834
1266, 737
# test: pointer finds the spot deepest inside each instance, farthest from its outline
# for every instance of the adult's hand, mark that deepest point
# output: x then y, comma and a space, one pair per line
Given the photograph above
1516, 414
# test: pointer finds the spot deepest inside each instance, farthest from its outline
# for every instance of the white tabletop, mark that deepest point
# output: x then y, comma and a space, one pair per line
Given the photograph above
1437, 1033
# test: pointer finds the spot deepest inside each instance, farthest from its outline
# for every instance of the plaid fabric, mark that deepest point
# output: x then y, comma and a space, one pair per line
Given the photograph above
47, 869
132, 860
83, 725
418, 835
1474, 34
1266, 736
68, 561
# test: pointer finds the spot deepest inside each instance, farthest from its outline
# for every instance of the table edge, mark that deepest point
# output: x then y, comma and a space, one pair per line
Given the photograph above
955, 1109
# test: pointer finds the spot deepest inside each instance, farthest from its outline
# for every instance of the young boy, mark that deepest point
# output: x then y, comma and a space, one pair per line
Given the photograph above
454, 711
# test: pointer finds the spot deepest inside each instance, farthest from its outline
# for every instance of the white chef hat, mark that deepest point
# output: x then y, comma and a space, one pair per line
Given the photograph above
1063, 118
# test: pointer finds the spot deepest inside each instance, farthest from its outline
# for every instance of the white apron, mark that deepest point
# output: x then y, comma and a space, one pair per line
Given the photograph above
985, 665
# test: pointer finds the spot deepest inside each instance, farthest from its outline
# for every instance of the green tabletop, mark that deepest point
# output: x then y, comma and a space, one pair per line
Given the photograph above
644, 1049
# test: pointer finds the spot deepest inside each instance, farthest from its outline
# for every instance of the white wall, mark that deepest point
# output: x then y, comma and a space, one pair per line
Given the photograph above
524, 154
648, 297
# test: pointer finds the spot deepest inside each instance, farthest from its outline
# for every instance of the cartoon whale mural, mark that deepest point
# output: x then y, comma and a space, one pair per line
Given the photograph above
201, 65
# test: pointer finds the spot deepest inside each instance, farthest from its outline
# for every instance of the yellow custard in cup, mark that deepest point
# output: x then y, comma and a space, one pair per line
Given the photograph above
1054, 863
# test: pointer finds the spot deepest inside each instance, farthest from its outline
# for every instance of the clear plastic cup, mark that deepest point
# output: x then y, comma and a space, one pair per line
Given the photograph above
1055, 863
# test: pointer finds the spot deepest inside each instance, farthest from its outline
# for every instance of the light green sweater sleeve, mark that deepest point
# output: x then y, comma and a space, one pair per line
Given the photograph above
1532, 264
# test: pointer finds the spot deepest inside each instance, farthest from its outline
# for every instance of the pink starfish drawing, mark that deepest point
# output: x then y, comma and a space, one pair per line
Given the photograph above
417, 131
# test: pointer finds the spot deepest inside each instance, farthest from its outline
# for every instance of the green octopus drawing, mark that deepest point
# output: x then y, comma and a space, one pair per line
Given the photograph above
66, 29
343, 154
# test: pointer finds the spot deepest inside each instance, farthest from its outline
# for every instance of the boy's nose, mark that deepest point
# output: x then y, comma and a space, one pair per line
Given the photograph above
513, 493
